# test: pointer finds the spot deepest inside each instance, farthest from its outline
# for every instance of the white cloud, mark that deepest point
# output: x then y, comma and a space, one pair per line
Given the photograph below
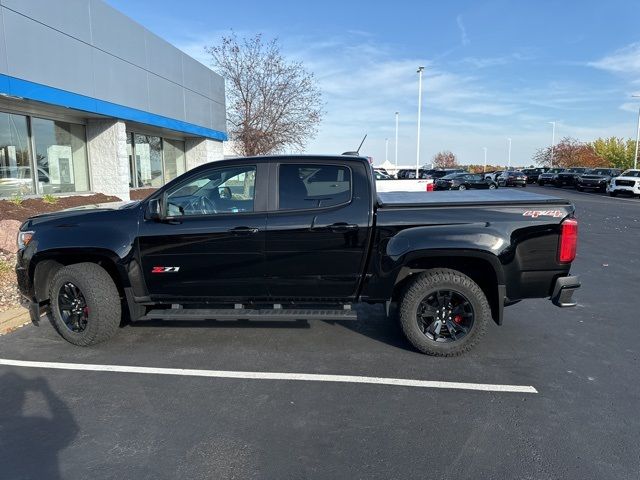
625, 60
464, 38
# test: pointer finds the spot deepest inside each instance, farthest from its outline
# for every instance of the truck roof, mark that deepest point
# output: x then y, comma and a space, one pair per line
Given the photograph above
455, 197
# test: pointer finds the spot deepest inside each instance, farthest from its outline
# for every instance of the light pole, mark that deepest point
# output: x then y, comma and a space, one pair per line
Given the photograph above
509, 153
420, 70
635, 157
484, 168
386, 150
397, 139
553, 140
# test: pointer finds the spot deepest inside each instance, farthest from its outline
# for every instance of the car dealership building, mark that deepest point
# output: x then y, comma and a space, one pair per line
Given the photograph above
90, 101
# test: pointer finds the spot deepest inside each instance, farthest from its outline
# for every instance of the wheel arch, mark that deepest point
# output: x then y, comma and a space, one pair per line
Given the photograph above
45, 265
484, 269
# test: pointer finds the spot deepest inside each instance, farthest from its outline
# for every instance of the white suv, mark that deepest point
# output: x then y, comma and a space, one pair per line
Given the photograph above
628, 182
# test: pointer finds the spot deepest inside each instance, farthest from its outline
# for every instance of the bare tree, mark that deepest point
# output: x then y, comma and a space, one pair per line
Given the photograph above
272, 104
445, 159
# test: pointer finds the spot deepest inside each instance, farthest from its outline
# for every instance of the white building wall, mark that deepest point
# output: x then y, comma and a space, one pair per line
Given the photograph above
202, 150
108, 158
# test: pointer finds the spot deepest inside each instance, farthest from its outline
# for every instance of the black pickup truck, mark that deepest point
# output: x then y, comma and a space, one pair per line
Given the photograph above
293, 237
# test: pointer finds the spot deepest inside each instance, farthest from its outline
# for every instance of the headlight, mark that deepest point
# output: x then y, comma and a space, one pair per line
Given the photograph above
24, 238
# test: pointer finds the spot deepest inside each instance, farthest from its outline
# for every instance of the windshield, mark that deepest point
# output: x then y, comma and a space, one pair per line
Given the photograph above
631, 173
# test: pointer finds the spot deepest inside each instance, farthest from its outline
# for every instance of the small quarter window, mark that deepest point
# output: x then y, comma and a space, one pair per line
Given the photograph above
304, 186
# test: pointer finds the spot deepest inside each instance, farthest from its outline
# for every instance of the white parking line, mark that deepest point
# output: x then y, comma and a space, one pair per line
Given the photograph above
308, 377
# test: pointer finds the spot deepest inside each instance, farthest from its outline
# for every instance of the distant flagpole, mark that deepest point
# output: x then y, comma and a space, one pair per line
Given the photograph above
396, 138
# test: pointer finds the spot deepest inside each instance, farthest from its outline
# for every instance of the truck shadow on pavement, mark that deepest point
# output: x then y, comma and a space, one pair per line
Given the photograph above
30, 444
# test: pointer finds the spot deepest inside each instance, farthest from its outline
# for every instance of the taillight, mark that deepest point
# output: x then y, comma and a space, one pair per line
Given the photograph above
568, 240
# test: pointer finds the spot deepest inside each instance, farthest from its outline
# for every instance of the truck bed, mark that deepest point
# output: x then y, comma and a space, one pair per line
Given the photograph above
467, 197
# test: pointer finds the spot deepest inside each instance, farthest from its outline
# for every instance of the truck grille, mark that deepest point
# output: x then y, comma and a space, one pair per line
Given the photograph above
625, 183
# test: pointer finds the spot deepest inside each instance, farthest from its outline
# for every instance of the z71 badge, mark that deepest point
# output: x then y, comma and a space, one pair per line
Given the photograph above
544, 213
165, 269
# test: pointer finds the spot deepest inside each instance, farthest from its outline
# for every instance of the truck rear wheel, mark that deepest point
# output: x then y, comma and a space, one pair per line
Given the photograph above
444, 313
85, 304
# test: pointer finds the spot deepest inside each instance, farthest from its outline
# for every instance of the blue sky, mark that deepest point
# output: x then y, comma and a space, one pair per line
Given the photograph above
494, 68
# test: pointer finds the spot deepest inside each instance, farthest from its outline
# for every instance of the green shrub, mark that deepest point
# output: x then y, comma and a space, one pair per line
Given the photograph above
5, 267
50, 199
16, 199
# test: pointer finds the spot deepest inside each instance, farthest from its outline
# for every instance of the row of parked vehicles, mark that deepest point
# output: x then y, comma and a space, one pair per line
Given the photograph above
611, 180
460, 179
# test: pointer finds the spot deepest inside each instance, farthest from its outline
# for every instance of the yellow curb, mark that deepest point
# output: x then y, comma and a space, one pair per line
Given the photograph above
12, 319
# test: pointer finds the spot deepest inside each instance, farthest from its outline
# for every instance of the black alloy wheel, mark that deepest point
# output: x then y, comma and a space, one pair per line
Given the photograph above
73, 307
445, 316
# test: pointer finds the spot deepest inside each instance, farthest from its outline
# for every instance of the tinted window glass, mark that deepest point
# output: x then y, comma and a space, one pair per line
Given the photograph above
148, 150
313, 186
223, 190
15, 165
61, 156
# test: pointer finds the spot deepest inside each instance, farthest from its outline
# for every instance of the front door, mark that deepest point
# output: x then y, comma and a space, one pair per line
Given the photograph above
317, 230
211, 245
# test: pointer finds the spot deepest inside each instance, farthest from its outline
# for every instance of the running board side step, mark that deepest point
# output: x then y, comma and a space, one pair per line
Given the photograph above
250, 314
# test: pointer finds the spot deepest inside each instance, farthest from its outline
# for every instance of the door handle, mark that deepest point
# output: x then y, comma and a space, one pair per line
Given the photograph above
342, 227
243, 230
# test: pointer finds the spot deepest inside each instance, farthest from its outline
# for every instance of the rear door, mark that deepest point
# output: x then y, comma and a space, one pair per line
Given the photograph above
212, 244
318, 228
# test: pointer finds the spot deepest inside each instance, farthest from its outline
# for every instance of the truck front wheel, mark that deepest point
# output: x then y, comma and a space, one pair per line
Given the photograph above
85, 304
444, 313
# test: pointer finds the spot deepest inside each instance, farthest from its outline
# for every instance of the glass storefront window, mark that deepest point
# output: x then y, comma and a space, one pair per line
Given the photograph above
148, 151
132, 168
15, 166
61, 156
174, 163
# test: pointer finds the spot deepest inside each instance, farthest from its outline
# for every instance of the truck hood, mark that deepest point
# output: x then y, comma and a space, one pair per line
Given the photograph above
592, 176
95, 208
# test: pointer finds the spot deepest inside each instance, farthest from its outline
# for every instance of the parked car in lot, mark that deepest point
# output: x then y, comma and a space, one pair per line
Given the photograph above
298, 238
569, 177
493, 175
548, 177
596, 179
628, 182
512, 178
464, 181
410, 174
381, 175
534, 173
435, 174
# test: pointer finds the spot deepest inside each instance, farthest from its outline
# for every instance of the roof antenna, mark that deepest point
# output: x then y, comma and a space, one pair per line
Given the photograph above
360, 146
357, 152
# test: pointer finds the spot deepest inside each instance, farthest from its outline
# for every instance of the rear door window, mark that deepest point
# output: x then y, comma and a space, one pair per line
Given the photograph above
306, 186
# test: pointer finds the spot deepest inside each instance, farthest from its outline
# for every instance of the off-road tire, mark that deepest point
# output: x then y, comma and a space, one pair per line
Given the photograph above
102, 299
423, 285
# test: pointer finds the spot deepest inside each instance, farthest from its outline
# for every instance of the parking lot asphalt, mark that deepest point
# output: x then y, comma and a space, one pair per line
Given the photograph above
582, 423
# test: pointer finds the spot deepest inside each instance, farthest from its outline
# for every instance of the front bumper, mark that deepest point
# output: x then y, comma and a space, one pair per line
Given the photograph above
635, 190
565, 182
563, 291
